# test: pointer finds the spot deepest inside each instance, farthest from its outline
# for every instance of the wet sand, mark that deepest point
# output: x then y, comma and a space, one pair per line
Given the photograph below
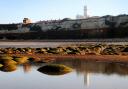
53, 44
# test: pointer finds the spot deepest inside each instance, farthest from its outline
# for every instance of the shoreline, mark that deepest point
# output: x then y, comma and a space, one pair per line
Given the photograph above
88, 52
97, 58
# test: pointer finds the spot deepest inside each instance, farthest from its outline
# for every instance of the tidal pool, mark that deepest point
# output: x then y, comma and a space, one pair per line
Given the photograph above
85, 75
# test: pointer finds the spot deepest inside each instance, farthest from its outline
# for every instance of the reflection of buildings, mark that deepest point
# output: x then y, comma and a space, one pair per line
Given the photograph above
86, 68
27, 67
82, 66
87, 79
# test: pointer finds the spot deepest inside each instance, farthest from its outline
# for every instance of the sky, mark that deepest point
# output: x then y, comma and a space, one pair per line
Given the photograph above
13, 11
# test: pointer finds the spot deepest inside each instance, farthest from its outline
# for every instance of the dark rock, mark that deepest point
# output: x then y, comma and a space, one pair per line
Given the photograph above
55, 69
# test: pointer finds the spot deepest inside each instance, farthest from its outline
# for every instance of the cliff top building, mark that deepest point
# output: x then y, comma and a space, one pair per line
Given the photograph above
26, 21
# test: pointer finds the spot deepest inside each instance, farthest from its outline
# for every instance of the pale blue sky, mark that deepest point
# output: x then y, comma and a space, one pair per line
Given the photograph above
13, 11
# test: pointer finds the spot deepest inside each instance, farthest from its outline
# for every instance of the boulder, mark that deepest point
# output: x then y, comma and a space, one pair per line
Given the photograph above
55, 69
9, 68
21, 60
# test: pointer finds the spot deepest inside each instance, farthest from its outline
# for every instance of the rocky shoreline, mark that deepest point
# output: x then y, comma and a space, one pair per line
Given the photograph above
97, 52
85, 49
11, 57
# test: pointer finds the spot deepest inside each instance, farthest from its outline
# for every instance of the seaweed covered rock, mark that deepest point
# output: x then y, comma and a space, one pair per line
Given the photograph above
21, 60
1, 65
125, 50
9, 68
8, 62
34, 59
55, 69
6, 57
110, 51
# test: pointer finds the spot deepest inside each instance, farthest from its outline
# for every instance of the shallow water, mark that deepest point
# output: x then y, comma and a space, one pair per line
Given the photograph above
85, 75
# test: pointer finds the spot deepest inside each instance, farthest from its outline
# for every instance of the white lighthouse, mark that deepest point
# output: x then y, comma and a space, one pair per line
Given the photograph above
85, 12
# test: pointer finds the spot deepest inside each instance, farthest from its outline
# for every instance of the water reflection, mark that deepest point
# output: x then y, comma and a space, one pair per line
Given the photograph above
87, 79
86, 75
81, 66
88, 68
27, 67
